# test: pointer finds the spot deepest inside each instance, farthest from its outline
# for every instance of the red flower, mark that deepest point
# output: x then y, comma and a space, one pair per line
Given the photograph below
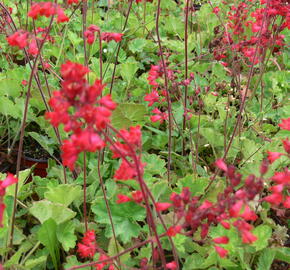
248, 214
248, 237
133, 136
47, 9
88, 247
2, 208
73, 2
171, 265
236, 208
221, 165
216, 10
204, 230
122, 199
33, 49
18, 39
221, 251
125, 171
24, 82
221, 240
8, 181
90, 33
286, 203
286, 144
160, 116
117, 37
274, 199
272, 156
225, 224
137, 196
285, 124
86, 251
173, 230
152, 97
162, 206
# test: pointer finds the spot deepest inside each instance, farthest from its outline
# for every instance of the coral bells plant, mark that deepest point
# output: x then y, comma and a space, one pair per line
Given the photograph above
82, 110
47, 9
167, 137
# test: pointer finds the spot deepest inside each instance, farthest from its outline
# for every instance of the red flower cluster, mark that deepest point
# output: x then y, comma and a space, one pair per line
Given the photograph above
88, 247
282, 181
100, 266
159, 94
90, 33
47, 9
263, 21
106, 36
136, 196
231, 208
8, 181
126, 151
18, 39
80, 108
22, 39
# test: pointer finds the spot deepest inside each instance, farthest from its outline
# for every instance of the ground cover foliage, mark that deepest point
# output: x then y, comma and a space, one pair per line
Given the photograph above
164, 127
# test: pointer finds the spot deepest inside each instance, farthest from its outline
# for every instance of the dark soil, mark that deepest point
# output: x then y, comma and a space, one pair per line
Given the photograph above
32, 149
278, 265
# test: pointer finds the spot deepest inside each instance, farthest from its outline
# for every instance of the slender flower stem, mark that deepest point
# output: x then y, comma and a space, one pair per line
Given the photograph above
185, 73
84, 18
108, 206
119, 47
167, 91
101, 55
85, 192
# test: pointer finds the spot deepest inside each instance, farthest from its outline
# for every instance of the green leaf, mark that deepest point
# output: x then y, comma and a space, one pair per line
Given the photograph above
195, 185
65, 235
114, 249
45, 142
8, 108
179, 242
64, 194
282, 254
266, 259
14, 260
137, 45
23, 175
210, 260
31, 263
212, 136
73, 261
128, 71
10, 87
44, 210
124, 218
128, 114
263, 232
193, 262
47, 236
154, 165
